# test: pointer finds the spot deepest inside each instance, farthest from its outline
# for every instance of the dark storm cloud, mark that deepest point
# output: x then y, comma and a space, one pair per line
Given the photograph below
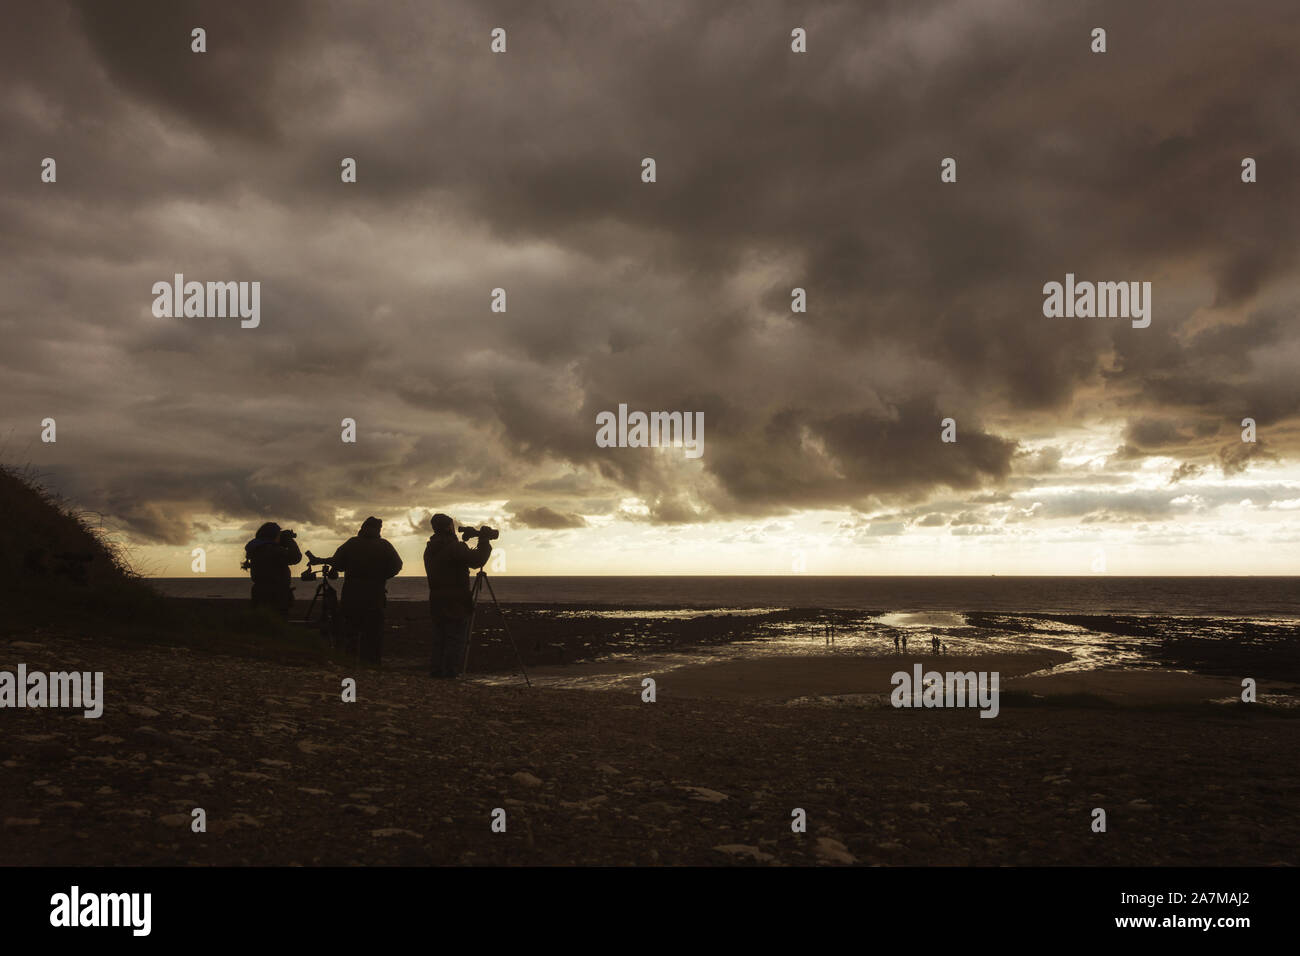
521, 171
1153, 433
1185, 471
144, 47
544, 517
1234, 456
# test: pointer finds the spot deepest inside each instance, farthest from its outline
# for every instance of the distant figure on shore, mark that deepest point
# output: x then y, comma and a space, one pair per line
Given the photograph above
895, 642
367, 562
447, 562
904, 641
268, 558
934, 643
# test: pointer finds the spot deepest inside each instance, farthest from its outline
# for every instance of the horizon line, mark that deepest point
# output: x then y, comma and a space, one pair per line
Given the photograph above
757, 574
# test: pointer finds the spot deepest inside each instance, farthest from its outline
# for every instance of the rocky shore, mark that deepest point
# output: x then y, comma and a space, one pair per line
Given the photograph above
412, 772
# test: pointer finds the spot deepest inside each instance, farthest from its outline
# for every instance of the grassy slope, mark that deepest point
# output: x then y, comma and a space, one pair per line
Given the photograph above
114, 604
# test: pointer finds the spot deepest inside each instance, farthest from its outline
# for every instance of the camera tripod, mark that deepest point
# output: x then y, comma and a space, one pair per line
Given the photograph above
481, 579
331, 620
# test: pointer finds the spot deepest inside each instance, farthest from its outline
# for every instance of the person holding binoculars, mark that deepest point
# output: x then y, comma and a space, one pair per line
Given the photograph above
268, 558
447, 562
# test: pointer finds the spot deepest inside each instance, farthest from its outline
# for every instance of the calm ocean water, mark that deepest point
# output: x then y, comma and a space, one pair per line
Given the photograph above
1238, 597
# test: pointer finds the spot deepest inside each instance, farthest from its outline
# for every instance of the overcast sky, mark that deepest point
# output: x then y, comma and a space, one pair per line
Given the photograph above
775, 170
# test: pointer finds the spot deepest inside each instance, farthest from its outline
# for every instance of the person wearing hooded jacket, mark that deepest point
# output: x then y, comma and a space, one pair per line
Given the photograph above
367, 562
268, 557
446, 563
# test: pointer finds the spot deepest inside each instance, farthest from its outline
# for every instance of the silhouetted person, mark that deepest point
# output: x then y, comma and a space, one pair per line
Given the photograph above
905, 641
367, 562
447, 561
268, 558
895, 642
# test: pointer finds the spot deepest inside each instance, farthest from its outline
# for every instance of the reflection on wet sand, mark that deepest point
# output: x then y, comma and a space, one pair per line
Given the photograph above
803, 655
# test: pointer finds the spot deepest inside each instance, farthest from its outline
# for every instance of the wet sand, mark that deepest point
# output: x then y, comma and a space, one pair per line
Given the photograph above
783, 679
788, 678
576, 640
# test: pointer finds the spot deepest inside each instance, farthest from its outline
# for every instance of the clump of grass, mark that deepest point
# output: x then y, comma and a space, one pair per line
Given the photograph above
33, 518
55, 561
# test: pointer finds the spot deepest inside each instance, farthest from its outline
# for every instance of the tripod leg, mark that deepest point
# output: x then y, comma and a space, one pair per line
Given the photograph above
506, 627
469, 625
307, 617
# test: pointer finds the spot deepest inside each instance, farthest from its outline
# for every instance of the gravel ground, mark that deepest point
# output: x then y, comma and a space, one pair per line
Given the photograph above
412, 771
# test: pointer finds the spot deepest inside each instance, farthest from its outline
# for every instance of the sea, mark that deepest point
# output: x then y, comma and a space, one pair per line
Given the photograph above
1235, 597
